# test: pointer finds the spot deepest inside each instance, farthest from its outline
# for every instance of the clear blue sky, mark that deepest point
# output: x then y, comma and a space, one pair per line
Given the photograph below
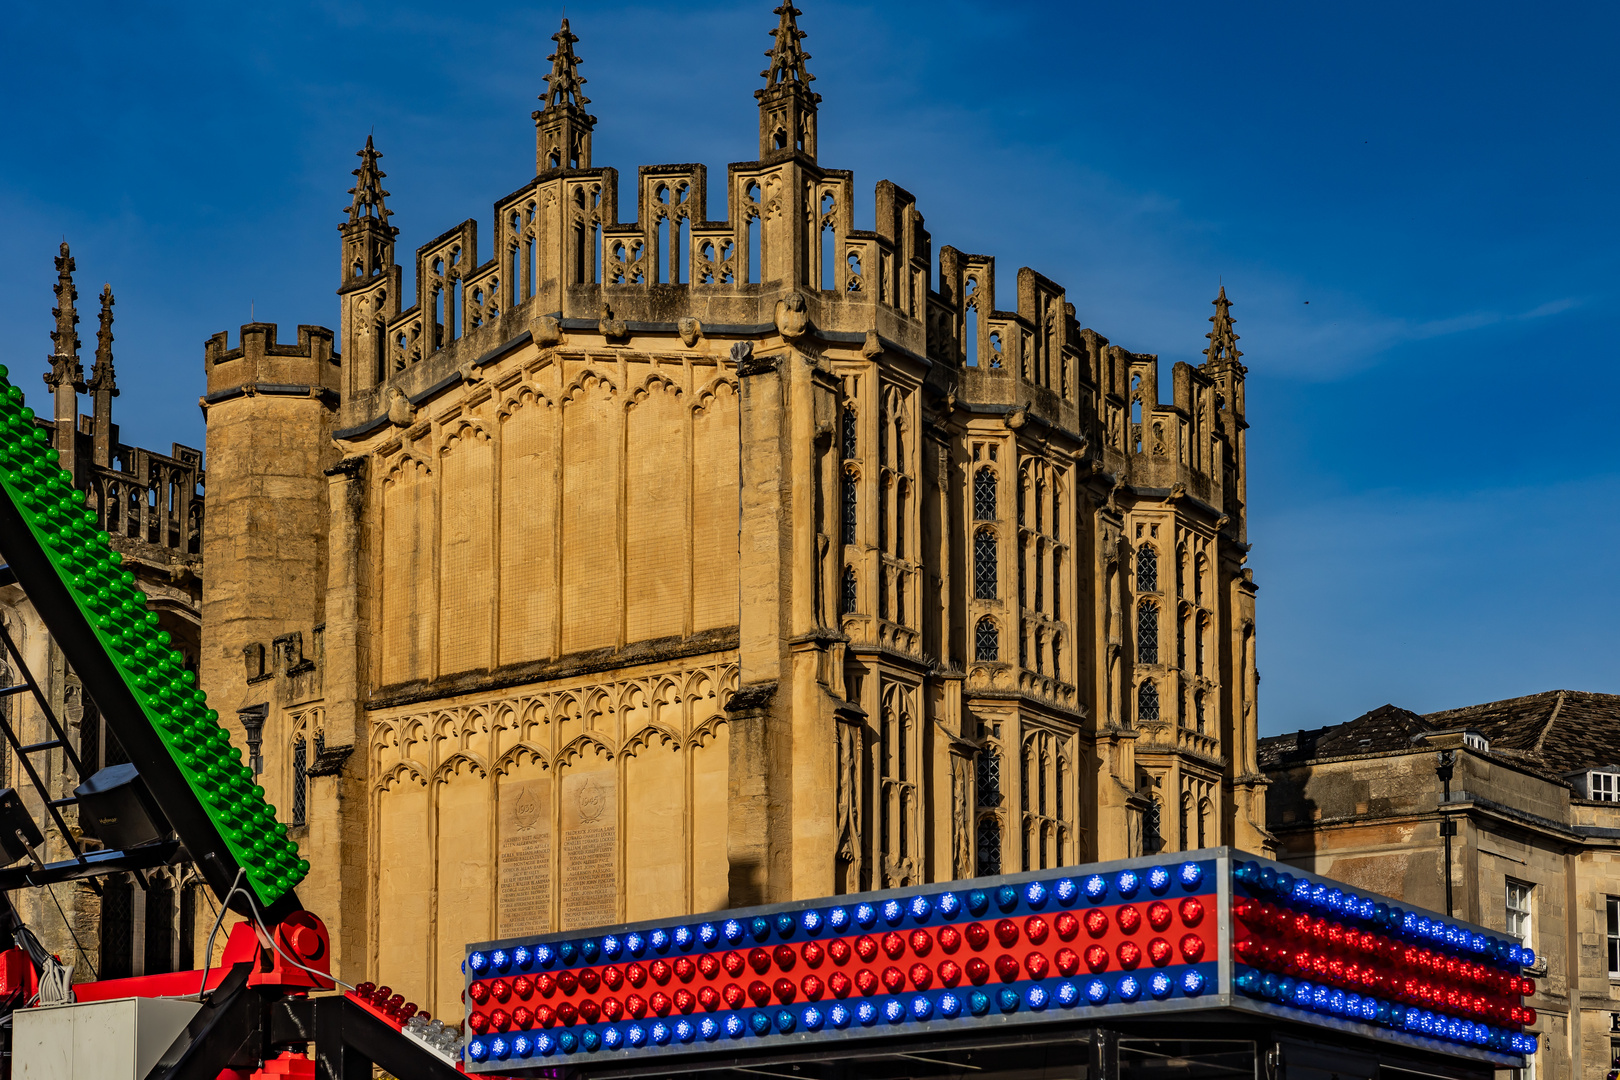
1434, 479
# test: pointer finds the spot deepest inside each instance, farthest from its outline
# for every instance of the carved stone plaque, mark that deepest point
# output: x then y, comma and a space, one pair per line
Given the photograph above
590, 880
524, 888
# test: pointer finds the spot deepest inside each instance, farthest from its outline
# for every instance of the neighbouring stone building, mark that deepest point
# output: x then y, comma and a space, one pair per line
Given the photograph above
1526, 790
152, 505
643, 563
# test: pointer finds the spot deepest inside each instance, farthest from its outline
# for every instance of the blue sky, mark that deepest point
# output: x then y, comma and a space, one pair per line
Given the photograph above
1435, 488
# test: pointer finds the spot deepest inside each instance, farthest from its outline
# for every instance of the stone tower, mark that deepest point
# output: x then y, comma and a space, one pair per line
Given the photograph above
674, 564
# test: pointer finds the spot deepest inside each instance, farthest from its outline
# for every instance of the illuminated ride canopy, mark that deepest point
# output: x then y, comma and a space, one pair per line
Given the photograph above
1192, 934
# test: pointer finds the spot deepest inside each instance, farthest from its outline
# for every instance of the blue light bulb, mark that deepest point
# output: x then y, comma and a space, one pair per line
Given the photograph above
522, 1047
478, 962
612, 1038
1095, 888
786, 924
865, 915
478, 1050
1006, 898
893, 1011
920, 908
978, 902
1067, 994
1158, 880
866, 1013
587, 950
709, 1028
1066, 891
499, 1047
1036, 997
839, 1017
949, 905
1304, 995
660, 1034
732, 931
811, 921
761, 1023
760, 927
838, 919
1008, 1000
1192, 983
523, 957
1128, 988
811, 1019
684, 937
1035, 895
785, 1021
735, 1028
1527, 957
684, 1030
1160, 985
1096, 991
921, 1007
567, 1042
707, 934
545, 1045
1126, 883
659, 940
950, 1006
501, 960
590, 1040
566, 952
636, 1035
636, 944
893, 911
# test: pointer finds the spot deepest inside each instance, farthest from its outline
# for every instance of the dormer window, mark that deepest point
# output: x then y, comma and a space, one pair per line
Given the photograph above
1475, 741
1603, 786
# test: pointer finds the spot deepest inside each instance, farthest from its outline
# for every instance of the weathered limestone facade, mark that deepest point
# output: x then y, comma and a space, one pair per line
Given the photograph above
665, 564
1362, 802
152, 506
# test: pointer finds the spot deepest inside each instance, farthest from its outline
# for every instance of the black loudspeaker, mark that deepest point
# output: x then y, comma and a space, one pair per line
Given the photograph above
14, 819
116, 806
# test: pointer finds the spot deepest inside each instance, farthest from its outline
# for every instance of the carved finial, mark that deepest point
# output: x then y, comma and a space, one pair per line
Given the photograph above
1223, 350
101, 373
787, 55
563, 128
787, 105
368, 193
562, 85
65, 357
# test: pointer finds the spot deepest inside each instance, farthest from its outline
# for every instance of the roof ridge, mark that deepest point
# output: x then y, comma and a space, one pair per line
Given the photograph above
1501, 701
1552, 719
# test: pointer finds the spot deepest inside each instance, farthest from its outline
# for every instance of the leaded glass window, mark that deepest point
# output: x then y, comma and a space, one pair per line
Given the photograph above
1147, 632
1153, 826
851, 502
1147, 569
984, 494
849, 433
984, 566
989, 846
1198, 711
848, 599
1147, 701
300, 770
986, 640
989, 776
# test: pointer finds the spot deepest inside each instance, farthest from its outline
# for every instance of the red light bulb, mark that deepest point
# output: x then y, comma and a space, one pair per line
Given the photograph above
1035, 929
1192, 911
659, 970
635, 975
568, 982
636, 1006
785, 957
759, 960
921, 975
611, 1008
812, 954
894, 979
922, 942
659, 1003
977, 971
1192, 948
522, 1017
479, 992
733, 995
839, 984
1160, 952
544, 1016
589, 1010
950, 939
950, 973
759, 992
866, 982
1129, 919
567, 1013
500, 988
709, 998
894, 946
1159, 915
613, 978
733, 963
1007, 933
709, 965
866, 948
1006, 968
1037, 965
839, 951
1096, 922
1067, 926
1096, 958
1130, 955
478, 1022
685, 1001
1067, 961
977, 936
813, 987
523, 987
590, 979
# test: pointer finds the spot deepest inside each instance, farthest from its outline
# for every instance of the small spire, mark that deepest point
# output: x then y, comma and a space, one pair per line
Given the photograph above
787, 55
101, 373
65, 358
564, 82
368, 193
1223, 350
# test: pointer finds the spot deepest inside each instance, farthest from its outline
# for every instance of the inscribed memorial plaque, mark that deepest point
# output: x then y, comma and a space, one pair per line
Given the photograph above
524, 887
590, 880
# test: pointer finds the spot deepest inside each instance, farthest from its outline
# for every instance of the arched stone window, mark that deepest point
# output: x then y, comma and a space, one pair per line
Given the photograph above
984, 565
987, 640
1147, 701
1147, 568
1147, 632
851, 591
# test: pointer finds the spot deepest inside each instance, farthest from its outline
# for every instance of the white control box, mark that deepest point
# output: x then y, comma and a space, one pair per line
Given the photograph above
120, 1039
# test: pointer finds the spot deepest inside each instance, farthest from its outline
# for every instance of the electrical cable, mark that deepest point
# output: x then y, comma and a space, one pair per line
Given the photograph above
208, 953
253, 909
82, 954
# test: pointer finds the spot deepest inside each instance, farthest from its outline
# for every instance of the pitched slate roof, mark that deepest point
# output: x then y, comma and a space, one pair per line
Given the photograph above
1555, 732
